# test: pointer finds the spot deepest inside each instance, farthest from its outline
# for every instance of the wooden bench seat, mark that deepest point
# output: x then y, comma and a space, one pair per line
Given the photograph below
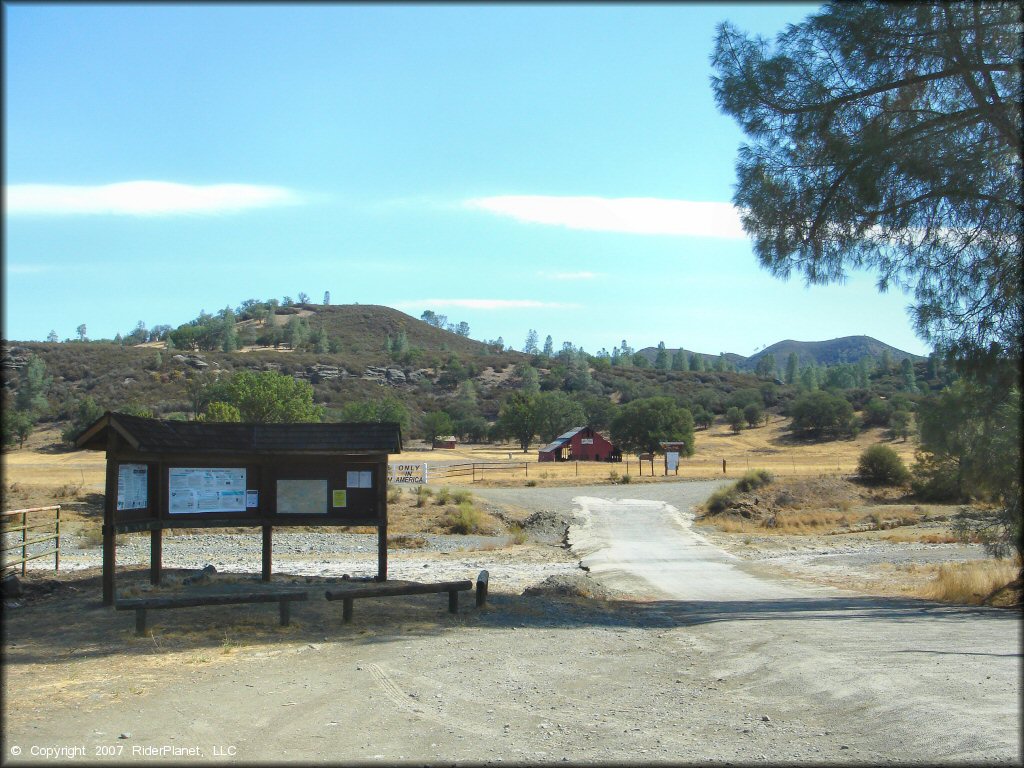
140, 605
348, 596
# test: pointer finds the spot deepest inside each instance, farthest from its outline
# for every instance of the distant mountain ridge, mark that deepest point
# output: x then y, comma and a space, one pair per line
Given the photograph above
847, 349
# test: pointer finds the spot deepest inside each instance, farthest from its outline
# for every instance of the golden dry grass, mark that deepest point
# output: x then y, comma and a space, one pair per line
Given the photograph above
767, 447
970, 582
44, 473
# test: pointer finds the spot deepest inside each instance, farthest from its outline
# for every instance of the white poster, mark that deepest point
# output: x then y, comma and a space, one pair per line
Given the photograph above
132, 486
672, 458
359, 479
407, 473
194, 490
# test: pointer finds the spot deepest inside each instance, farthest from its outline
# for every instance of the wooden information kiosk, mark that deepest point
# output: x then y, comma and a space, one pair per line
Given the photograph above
192, 474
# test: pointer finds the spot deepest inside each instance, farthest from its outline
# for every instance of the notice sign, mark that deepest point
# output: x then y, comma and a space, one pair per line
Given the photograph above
194, 490
407, 473
302, 497
672, 460
132, 486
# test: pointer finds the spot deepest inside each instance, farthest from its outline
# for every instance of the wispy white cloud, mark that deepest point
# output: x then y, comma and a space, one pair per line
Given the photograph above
635, 215
487, 304
28, 269
570, 275
142, 198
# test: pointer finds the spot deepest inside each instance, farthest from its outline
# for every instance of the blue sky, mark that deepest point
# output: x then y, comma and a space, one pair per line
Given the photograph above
561, 168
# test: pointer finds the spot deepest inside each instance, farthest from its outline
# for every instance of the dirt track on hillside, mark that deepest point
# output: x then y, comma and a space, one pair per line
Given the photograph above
790, 673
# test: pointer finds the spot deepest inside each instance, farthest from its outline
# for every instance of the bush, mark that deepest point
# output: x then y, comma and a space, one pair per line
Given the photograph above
880, 465
443, 497
422, 494
517, 534
721, 500
465, 520
753, 479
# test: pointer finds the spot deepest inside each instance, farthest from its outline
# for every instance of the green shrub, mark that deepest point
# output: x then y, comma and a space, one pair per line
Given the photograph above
753, 479
422, 494
465, 520
880, 465
394, 494
531, 483
444, 496
517, 533
626, 480
460, 496
721, 500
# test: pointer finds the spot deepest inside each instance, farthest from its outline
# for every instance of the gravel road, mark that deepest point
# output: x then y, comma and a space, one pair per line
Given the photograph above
706, 659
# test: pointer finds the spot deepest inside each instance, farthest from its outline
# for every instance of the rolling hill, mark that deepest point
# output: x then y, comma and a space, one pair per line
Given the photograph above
848, 349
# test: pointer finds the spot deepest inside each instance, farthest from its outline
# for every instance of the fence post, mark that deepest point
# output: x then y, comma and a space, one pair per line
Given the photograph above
56, 554
24, 547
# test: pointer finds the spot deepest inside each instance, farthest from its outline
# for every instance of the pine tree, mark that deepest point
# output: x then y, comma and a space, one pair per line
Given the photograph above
549, 346
661, 359
792, 367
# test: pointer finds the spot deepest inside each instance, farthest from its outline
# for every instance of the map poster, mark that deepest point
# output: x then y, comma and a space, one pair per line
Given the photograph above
195, 490
132, 486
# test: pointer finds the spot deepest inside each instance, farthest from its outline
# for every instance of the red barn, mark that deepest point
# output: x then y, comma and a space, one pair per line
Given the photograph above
580, 444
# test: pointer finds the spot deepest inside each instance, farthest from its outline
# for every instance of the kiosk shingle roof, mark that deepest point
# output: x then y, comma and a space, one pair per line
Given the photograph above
161, 436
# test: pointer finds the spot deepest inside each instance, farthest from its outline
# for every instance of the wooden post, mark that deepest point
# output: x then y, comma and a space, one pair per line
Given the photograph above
109, 540
723, 466
481, 588
156, 555
346, 609
453, 601
285, 610
382, 523
268, 549
56, 553
24, 546
140, 621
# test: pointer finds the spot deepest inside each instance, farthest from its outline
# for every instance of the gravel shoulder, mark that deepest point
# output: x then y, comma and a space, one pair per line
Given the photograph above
584, 668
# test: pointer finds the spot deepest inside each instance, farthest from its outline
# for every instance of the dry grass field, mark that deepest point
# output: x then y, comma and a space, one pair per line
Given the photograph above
44, 472
768, 447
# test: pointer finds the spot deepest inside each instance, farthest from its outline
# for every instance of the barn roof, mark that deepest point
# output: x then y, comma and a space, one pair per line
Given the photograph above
159, 436
561, 440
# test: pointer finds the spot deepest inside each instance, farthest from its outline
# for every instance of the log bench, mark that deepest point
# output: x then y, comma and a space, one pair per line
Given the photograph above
349, 596
140, 605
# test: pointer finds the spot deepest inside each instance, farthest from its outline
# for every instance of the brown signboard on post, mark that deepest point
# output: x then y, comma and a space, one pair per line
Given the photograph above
177, 474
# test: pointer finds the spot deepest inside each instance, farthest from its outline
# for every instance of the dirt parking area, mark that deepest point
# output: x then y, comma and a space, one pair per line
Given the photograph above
559, 666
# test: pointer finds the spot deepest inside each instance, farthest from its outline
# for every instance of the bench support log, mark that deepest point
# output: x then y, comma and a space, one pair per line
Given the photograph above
349, 596
141, 605
140, 621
